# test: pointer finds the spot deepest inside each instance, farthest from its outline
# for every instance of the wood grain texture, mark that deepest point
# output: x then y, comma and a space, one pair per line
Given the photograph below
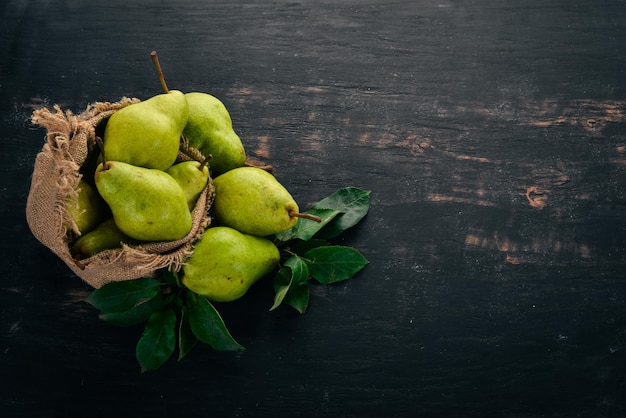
491, 136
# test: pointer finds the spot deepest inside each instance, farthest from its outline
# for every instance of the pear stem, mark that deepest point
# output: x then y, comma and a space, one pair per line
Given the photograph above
267, 167
157, 65
308, 216
101, 146
204, 162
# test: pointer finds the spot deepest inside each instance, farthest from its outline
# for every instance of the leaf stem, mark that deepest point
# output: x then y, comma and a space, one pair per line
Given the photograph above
306, 260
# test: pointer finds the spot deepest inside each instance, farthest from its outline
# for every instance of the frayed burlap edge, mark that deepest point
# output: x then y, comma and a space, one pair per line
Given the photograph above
54, 184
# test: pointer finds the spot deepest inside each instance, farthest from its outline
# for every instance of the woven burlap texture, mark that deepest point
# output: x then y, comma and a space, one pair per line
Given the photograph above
70, 137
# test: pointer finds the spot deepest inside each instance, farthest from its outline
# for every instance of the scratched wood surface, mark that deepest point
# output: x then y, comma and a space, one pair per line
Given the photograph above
492, 136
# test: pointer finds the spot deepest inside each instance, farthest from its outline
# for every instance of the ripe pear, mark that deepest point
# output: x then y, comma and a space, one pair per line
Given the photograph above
106, 236
192, 176
88, 210
147, 134
252, 201
210, 129
225, 263
147, 204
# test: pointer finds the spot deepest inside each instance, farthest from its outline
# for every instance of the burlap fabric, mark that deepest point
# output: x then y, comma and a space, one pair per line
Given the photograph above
70, 138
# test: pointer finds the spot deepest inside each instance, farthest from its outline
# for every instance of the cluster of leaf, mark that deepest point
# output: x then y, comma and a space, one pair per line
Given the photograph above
310, 253
177, 317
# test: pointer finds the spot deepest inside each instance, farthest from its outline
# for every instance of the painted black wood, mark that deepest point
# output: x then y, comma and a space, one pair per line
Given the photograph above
492, 136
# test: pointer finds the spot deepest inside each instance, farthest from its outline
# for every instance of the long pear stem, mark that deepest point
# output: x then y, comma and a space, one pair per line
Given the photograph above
157, 65
101, 146
314, 218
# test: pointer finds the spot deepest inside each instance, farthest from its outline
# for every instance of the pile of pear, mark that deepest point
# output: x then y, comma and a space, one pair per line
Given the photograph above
139, 192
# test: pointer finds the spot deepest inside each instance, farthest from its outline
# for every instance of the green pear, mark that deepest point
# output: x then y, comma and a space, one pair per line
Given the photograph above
147, 204
252, 201
210, 129
192, 176
147, 134
88, 209
106, 236
225, 263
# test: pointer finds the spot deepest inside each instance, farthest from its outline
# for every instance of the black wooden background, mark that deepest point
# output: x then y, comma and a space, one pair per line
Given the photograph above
492, 137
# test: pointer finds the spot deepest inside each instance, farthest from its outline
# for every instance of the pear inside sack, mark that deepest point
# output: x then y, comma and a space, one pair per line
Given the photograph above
142, 181
140, 185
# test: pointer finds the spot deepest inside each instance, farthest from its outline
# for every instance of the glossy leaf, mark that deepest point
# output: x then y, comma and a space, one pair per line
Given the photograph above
298, 296
158, 340
334, 263
186, 338
137, 314
301, 247
290, 284
122, 296
170, 277
352, 202
207, 324
282, 282
299, 268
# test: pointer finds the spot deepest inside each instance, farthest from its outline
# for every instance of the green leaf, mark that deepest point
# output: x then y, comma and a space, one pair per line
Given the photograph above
299, 268
334, 263
282, 282
207, 324
291, 286
158, 340
186, 338
352, 202
171, 277
135, 315
306, 228
301, 247
298, 296
122, 296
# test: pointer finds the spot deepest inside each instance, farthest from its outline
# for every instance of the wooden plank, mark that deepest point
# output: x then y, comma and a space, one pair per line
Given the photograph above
491, 136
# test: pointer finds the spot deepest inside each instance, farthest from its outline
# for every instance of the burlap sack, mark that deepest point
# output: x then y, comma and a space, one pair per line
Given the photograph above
54, 182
